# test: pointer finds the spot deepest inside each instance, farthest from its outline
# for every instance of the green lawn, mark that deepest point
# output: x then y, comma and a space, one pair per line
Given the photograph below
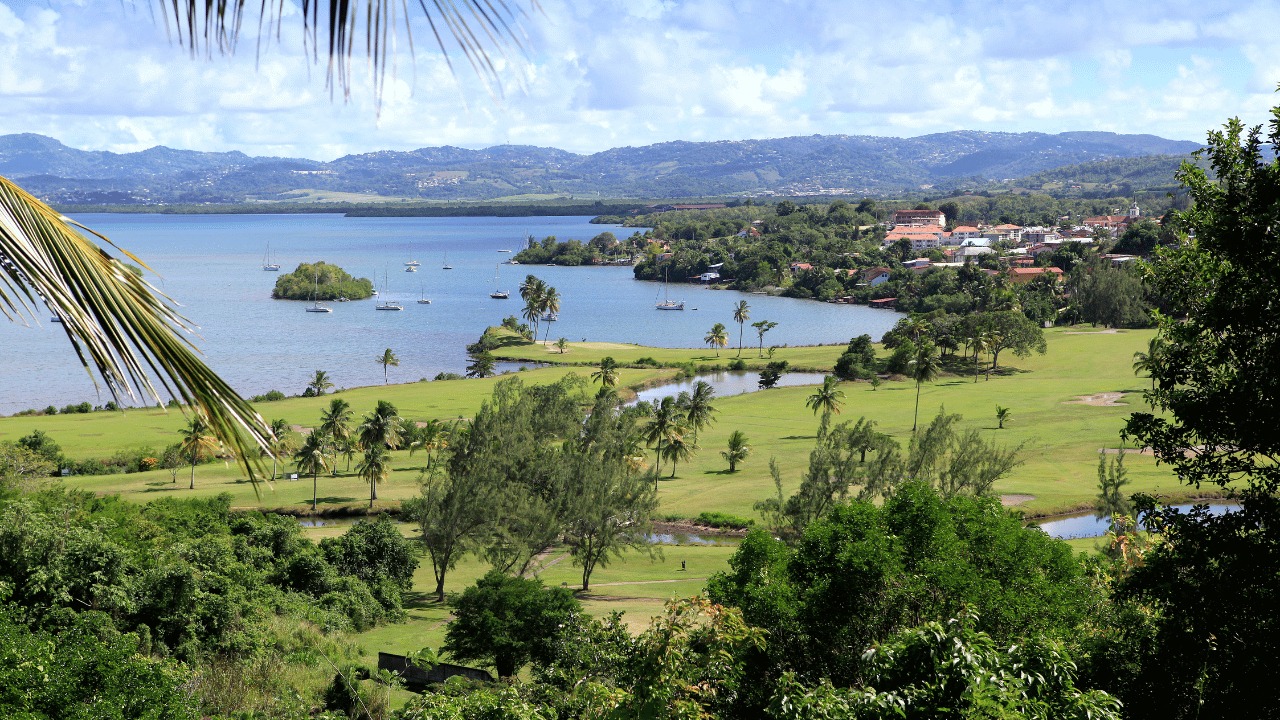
1061, 443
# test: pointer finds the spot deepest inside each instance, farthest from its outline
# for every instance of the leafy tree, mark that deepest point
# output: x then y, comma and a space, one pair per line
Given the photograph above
508, 622
482, 366
1009, 330
741, 314
319, 383
1111, 297
1214, 385
387, 359
1112, 501
738, 450
763, 327
717, 337
452, 513
373, 551
772, 373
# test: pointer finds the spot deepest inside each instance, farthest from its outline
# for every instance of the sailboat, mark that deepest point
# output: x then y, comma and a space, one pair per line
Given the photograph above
412, 265
387, 304
447, 266
498, 294
315, 293
266, 260
667, 303
422, 296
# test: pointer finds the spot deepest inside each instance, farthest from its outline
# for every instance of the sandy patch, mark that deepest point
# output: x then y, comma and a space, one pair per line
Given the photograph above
1105, 399
1011, 500
1112, 331
300, 429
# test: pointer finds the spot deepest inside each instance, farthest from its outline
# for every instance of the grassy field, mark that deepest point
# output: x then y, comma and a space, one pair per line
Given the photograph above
1061, 443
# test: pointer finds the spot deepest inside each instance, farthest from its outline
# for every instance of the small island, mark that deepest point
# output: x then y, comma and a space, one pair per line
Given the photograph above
321, 281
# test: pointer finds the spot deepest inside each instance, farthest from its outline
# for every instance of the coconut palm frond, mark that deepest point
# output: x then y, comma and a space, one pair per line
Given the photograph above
115, 320
477, 27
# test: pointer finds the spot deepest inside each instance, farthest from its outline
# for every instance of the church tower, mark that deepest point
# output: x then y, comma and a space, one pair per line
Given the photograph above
1134, 212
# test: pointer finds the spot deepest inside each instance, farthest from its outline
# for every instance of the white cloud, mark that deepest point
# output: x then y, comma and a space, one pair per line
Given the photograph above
631, 72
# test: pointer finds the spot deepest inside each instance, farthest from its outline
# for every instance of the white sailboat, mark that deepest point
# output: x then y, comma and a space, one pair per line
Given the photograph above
387, 304
412, 265
667, 303
447, 266
266, 260
422, 296
317, 306
498, 294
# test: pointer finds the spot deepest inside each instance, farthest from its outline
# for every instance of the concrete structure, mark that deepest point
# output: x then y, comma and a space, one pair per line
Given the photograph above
918, 218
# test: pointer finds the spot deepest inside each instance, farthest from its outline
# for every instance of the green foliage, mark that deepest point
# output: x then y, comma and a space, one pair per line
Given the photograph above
321, 281
864, 572
508, 621
373, 551
951, 670
772, 373
724, 520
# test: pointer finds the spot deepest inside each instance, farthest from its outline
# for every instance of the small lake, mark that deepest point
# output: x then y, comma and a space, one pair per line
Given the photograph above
1087, 526
726, 383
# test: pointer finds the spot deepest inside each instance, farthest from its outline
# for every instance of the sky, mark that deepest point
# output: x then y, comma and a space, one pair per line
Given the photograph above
106, 75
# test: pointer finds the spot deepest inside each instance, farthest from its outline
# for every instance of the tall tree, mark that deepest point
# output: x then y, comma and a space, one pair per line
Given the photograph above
924, 369
281, 443
741, 314
375, 468
607, 375
335, 424
763, 327
197, 442
550, 305
387, 359
699, 412
663, 425
717, 337
312, 458
381, 427
482, 365
828, 398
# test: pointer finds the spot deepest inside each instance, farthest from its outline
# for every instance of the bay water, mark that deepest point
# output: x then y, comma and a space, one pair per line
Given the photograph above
210, 265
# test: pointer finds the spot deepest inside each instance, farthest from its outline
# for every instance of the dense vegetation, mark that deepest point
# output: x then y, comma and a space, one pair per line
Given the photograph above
321, 281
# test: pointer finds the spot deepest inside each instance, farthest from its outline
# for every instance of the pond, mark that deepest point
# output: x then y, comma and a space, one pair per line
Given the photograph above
726, 383
1086, 525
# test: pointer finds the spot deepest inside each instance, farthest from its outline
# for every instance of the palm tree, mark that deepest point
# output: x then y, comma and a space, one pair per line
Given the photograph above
981, 344
532, 309
662, 426
717, 338
319, 383
312, 458
827, 399
1002, 414
608, 372
1149, 361
679, 447
551, 306
375, 466
699, 412
335, 423
387, 358
118, 323
381, 428
197, 440
431, 437
562, 344
741, 316
281, 443
738, 450
925, 369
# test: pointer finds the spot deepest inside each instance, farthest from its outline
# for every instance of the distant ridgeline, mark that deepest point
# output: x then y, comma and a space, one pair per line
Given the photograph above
323, 281
500, 210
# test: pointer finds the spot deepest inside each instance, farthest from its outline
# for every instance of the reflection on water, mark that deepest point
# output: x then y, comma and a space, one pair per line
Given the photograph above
727, 383
1087, 526
681, 539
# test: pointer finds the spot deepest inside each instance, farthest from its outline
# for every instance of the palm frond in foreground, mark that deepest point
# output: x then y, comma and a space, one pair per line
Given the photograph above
115, 320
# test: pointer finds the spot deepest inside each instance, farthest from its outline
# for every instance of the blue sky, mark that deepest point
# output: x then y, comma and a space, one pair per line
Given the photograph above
103, 75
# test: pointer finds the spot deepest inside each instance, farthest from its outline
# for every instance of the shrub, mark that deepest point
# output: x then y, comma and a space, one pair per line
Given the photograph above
51, 410
271, 396
647, 361
447, 376
737, 364
724, 520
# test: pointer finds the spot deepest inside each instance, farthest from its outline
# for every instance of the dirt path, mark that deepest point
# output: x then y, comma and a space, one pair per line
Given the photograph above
1103, 399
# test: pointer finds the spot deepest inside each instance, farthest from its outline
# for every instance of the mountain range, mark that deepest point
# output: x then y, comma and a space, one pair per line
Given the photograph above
809, 165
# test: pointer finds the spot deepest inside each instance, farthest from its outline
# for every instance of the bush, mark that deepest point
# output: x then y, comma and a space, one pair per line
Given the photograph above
51, 410
83, 407
724, 520
271, 396
737, 364
447, 376
647, 361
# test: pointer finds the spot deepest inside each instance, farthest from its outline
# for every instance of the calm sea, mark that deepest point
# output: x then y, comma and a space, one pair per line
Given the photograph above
211, 266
